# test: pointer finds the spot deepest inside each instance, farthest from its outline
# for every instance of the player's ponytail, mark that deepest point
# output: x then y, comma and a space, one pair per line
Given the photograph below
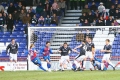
31, 46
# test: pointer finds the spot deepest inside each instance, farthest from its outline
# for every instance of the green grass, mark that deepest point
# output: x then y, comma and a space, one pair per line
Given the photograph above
66, 75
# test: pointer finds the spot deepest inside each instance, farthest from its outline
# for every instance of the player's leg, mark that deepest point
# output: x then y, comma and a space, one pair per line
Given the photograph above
11, 61
15, 61
37, 62
62, 62
110, 63
47, 59
117, 64
103, 59
91, 60
68, 60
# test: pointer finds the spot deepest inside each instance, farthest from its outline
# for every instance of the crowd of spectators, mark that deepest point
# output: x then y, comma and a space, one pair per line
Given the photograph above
45, 13
102, 15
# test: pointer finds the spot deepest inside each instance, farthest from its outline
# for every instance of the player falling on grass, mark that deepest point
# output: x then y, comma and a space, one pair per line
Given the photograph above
90, 51
80, 57
65, 50
107, 52
36, 60
46, 51
13, 49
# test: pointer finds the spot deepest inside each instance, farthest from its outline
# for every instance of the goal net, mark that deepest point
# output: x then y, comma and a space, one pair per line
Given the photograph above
73, 36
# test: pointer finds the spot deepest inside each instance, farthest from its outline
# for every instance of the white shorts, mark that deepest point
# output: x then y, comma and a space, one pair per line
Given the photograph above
89, 54
81, 58
106, 57
13, 56
64, 59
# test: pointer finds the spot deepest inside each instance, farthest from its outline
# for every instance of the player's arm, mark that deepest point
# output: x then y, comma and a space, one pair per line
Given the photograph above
60, 50
93, 49
17, 47
8, 47
42, 50
75, 51
50, 51
78, 47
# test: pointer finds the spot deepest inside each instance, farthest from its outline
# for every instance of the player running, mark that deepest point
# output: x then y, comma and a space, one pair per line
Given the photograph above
80, 57
107, 51
13, 49
36, 60
65, 50
46, 51
90, 52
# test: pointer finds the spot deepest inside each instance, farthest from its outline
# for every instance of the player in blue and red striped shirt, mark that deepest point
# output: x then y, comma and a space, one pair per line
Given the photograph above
36, 60
46, 51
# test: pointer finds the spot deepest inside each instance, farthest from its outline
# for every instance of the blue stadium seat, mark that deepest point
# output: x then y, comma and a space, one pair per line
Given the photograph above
53, 25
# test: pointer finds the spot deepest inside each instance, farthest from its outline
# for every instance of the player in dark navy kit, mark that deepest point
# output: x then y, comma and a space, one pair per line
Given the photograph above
13, 49
80, 57
65, 50
46, 51
36, 60
107, 52
90, 52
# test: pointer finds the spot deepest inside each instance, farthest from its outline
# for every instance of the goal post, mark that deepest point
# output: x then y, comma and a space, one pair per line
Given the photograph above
73, 36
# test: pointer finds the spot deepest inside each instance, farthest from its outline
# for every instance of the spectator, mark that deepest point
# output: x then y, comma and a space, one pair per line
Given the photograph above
101, 8
2, 22
100, 23
90, 17
48, 20
39, 8
103, 20
87, 34
54, 7
117, 14
24, 9
116, 23
32, 10
19, 7
22, 14
11, 8
26, 28
47, 8
96, 14
58, 11
2, 11
82, 18
31, 13
1, 7
80, 36
109, 4
47, 2
54, 19
93, 23
62, 6
10, 23
44, 13
34, 20
118, 7
26, 19
15, 16
41, 20
51, 12
105, 15
112, 10
109, 21
86, 9
93, 7
116, 3
86, 23
5, 16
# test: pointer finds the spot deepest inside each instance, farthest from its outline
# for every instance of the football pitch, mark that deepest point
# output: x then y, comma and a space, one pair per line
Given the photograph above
65, 75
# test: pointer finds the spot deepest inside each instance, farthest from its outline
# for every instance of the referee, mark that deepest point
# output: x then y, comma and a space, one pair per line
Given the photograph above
13, 49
